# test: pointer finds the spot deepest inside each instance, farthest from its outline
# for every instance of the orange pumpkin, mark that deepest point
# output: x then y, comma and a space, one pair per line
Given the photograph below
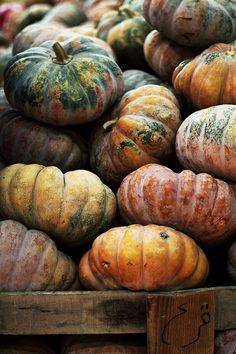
199, 205
140, 257
209, 79
72, 208
141, 129
30, 260
163, 55
232, 263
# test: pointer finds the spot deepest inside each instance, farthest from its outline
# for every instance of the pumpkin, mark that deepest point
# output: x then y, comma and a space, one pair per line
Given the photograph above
136, 5
94, 344
10, 24
209, 79
34, 35
72, 208
163, 55
231, 266
137, 78
199, 205
95, 9
5, 56
6, 9
193, 23
67, 13
27, 141
225, 342
32, 14
4, 105
24, 345
61, 84
205, 141
140, 130
140, 257
30, 260
127, 39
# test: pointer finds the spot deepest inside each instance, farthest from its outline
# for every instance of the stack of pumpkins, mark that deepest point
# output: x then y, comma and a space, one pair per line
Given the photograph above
89, 139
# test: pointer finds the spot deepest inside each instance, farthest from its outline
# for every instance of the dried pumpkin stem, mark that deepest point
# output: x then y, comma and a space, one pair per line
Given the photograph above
109, 125
127, 11
61, 56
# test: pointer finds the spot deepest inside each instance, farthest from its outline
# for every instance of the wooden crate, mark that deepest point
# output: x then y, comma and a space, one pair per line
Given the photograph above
98, 312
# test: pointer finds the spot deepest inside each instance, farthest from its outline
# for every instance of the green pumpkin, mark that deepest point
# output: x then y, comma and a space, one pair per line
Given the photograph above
136, 78
62, 84
32, 14
67, 13
5, 56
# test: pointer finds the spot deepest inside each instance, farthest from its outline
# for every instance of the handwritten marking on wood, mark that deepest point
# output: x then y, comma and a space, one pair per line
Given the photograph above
181, 323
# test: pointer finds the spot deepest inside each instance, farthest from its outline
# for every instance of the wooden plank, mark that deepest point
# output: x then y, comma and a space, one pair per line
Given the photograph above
92, 312
181, 324
80, 312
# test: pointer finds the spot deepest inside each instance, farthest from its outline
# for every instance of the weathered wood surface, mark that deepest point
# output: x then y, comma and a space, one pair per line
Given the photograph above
181, 324
92, 312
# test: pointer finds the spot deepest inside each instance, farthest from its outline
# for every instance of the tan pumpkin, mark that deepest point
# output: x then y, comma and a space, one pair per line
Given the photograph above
209, 79
94, 344
140, 257
231, 266
163, 55
199, 205
205, 141
30, 260
72, 208
25, 140
141, 129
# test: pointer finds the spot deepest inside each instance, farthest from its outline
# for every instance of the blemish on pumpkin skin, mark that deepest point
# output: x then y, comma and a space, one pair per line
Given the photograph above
20, 66
105, 264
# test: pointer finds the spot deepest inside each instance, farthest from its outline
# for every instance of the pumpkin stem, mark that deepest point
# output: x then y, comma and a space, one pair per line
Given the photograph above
109, 125
127, 11
61, 56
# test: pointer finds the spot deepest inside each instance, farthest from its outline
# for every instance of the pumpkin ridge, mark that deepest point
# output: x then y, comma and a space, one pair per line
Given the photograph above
61, 206
141, 276
18, 257
50, 279
47, 245
117, 257
10, 194
222, 144
224, 81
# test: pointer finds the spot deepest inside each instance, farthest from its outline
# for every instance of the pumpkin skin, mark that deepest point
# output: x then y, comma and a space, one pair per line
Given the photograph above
67, 13
30, 260
231, 266
95, 9
209, 79
205, 141
147, 119
93, 344
59, 90
72, 208
4, 105
137, 78
32, 14
5, 56
193, 23
163, 55
199, 205
140, 257
24, 345
225, 342
27, 141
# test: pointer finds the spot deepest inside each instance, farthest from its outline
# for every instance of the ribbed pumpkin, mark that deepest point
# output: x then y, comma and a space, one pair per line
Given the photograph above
24, 345
72, 83
225, 342
232, 262
5, 56
205, 141
27, 141
32, 14
140, 257
137, 78
67, 13
199, 205
140, 130
95, 9
94, 344
30, 260
72, 208
210, 78
193, 23
163, 55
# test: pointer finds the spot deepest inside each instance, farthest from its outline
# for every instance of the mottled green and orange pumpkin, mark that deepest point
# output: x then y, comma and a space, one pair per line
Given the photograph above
137, 78
163, 54
24, 345
5, 56
141, 129
72, 208
24, 140
98, 344
95, 9
30, 260
32, 14
231, 263
193, 22
140, 257
69, 83
210, 78
199, 205
206, 142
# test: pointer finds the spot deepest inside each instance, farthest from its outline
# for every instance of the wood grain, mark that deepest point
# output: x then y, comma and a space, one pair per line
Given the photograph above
93, 312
